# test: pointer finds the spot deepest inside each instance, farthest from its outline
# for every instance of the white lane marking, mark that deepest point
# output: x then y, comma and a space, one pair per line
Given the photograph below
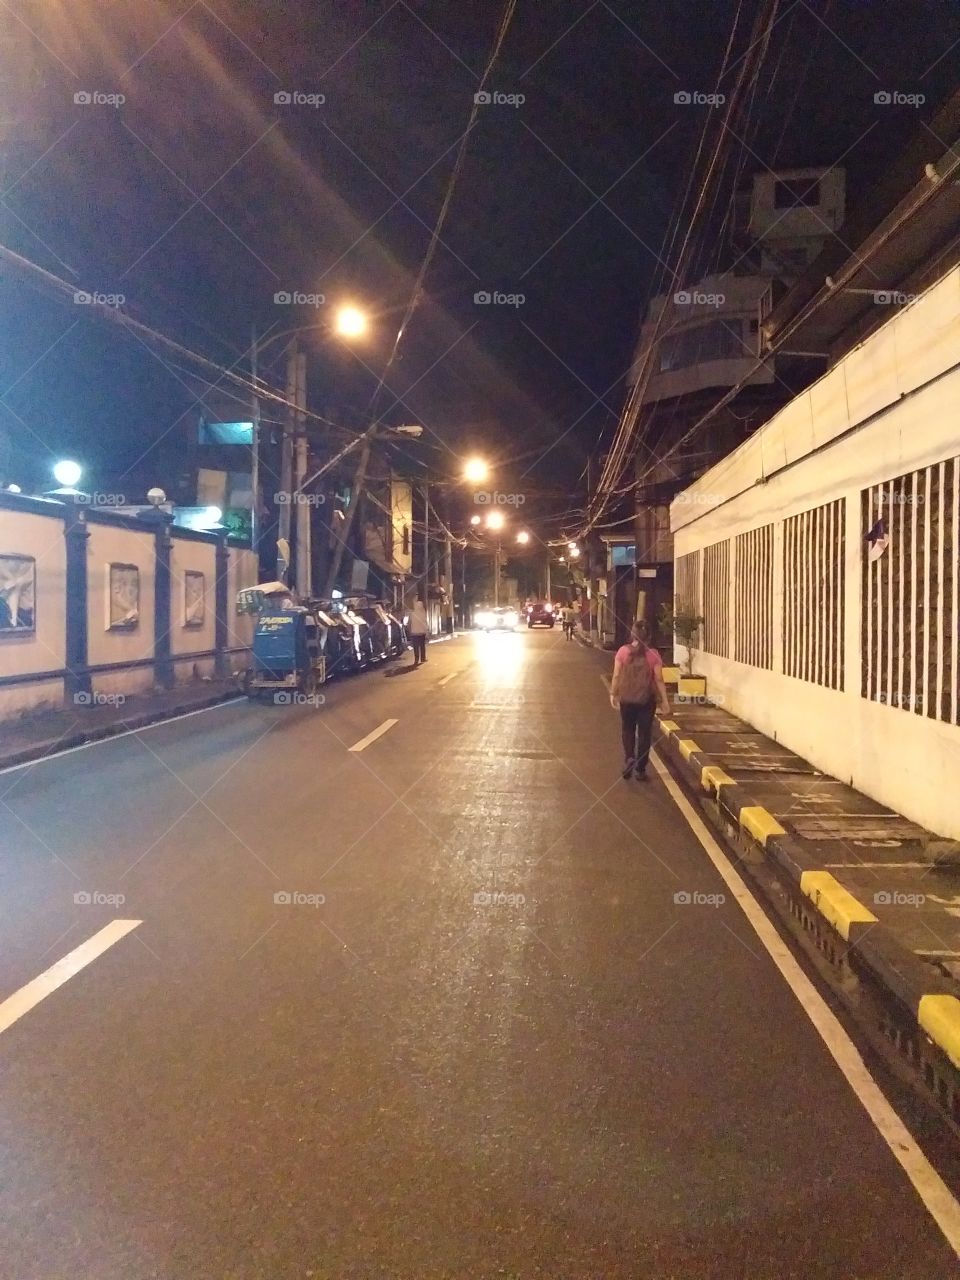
372, 737
27, 997
114, 737
447, 679
929, 1186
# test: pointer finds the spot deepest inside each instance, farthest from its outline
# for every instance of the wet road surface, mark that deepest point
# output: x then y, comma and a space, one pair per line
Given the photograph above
425, 1008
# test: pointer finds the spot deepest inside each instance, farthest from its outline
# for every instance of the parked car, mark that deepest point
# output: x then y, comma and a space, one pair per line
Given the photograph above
541, 614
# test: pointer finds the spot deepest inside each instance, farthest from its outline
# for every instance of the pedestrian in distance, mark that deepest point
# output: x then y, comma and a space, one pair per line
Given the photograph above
636, 691
418, 629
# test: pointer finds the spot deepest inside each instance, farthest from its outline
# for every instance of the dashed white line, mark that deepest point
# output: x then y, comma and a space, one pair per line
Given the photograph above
372, 737
447, 679
22, 1001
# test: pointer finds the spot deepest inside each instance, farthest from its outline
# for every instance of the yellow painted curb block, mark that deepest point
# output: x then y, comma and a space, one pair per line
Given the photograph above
834, 902
760, 823
669, 726
713, 777
693, 686
940, 1018
688, 747
671, 675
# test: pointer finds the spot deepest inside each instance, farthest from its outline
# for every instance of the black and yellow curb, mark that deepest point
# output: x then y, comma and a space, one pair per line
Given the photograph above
932, 1001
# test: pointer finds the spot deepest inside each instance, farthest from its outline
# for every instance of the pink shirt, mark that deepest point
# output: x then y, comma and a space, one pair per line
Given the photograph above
623, 654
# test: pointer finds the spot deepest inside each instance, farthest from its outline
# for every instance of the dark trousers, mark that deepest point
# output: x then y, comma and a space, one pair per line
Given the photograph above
636, 722
419, 644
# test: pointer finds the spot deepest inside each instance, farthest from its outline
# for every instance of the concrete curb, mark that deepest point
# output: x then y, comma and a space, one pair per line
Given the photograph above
81, 737
930, 1000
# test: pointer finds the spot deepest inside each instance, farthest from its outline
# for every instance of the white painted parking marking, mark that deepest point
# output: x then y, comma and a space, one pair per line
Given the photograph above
447, 679
372, 737
22, 1001
929, 1186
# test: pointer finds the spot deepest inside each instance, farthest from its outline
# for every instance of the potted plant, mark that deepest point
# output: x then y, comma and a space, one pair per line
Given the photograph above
684, 624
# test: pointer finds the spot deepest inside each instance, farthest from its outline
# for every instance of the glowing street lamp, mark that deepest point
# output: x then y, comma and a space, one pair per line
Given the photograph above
67, 473
350, 322
523, 537
474, 519
475, 470
496, 520
574, 552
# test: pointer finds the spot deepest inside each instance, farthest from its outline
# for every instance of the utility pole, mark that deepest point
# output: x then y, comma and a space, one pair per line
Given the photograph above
359, 480
547, 596
255, 457
496, 575
448, 576
304, 543
286, 462
426, 545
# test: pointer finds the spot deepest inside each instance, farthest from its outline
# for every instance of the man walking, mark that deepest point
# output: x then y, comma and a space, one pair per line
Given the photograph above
636, 690
418, 629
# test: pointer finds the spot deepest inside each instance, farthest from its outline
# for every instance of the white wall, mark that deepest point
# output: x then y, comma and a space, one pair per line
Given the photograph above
23, 533
200, 557
112, 544
890, 407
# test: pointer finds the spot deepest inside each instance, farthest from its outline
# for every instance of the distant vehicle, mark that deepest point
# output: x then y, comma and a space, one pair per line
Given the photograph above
541, 614
500, 619
287, 650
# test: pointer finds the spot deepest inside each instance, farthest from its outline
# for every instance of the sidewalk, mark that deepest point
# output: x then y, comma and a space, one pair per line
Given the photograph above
32, 736
888, 889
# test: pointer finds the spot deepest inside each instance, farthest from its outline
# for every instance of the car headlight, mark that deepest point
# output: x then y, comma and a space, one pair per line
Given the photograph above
511, 619
484, 618
548, 608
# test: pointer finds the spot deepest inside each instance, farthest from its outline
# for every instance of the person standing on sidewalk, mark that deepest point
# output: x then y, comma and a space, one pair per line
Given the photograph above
636, 691
418, 630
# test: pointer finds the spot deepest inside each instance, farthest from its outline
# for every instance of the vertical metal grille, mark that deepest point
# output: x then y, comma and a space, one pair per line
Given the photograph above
909, 594
687, 583
813, 614
753, 598
716, 599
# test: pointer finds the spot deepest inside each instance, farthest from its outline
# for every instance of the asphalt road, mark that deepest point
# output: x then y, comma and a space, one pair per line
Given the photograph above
498, 1047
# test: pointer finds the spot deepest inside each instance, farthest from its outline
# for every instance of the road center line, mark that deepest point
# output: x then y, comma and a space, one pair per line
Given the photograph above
929, 1186
447, 679
28, 997
372, 737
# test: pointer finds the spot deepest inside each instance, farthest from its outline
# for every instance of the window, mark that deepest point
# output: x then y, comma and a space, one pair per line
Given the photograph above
194, 599
714, 340
799, 193
18, 593
123, 597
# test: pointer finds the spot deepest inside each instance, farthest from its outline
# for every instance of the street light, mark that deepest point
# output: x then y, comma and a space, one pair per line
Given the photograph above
474, 519
350, 322
67, 473
495, 520
475, 470
574, 552
523, 537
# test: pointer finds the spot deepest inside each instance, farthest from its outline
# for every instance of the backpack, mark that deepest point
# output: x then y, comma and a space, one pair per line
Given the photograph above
636, 679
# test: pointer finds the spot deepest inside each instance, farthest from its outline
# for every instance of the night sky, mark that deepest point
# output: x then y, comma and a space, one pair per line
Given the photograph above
199, 198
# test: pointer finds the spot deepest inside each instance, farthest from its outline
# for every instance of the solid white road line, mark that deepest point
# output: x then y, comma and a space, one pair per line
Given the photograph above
447, 679
372, 737
27, 997
932, 1190
114, 737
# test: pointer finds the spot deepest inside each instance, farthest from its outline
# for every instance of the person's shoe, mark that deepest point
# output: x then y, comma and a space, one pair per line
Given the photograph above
642, 775
628, 769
